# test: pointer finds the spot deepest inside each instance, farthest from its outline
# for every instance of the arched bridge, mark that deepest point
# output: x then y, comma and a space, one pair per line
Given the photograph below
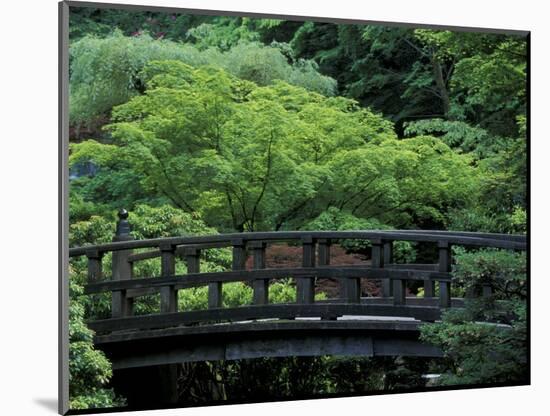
347, 325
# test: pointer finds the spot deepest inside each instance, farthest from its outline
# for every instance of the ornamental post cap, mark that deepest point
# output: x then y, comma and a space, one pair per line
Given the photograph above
122, 227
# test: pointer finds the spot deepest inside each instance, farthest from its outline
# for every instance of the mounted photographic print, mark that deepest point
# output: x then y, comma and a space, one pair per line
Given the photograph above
265, 208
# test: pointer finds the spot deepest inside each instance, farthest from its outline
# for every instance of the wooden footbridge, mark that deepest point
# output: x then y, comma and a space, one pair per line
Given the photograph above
349, 325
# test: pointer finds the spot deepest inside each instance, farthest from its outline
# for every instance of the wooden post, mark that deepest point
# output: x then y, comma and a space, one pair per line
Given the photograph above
192, 259
352, 290
168, 294
323, 248
260, 286
168, 303
239, 254
387, 286
95, 272
429, 288
444, 266
305, 286
121, 305
470, 292
486, 290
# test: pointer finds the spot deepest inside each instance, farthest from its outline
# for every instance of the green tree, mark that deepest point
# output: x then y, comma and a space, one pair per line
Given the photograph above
275, 156
105, 72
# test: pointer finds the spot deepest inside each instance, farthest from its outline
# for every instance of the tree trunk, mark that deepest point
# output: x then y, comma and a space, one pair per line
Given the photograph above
441, 86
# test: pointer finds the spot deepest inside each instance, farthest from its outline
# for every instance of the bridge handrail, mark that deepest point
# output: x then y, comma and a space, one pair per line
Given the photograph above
192, 280
513, 242
124, 287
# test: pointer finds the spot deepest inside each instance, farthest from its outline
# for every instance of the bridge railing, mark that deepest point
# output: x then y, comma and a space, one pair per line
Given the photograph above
316, 247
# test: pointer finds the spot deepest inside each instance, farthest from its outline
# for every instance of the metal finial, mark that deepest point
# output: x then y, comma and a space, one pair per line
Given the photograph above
122, 214
122, 226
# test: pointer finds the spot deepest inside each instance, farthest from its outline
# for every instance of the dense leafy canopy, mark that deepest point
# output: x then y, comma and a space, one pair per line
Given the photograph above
263, 157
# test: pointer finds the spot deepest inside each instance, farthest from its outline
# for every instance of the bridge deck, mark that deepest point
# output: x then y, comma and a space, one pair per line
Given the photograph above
347, 336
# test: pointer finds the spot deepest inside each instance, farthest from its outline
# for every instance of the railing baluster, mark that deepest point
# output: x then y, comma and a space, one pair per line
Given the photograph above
399, 286
260, 286
444, 266
239, 254
352, 289
387, 287
429, 288
323, 248
305, 286
95, 272
168, 295
486, 290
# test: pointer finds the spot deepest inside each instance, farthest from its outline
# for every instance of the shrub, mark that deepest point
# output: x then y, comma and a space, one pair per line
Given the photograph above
503, 270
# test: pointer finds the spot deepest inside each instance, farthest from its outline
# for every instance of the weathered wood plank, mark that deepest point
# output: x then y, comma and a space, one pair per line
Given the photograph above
239, 253
486, 290
444, 266
280, 311
260, 286
512, 242
281, 342
168, 293
305, 286
95, 268
387, 286
323, 248
409, 326
121, 305
202, 279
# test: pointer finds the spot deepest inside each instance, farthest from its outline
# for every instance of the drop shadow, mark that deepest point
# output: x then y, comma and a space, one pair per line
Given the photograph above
47, 403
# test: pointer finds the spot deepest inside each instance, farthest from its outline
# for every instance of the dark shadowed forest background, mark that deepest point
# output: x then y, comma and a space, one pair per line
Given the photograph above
201, 124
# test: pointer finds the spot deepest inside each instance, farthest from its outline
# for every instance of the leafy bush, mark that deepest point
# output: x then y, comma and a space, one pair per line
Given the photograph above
486, 342
89, 369
479, 353
503, 270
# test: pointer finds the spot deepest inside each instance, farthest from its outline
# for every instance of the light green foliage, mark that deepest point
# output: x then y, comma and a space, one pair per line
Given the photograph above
89, 370
105, 72
265, 64
239, 294
472, 218
497, 71
394, 178
456, 134
258, 157
486, 84
518, 220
